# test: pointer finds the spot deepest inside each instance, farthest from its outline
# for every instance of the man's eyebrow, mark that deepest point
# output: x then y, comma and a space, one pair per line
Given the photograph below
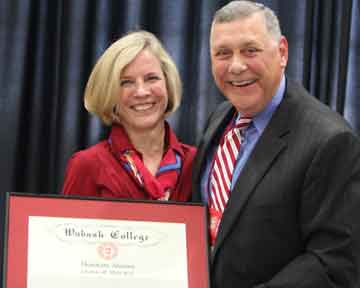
242, 44
250, 43
220, 47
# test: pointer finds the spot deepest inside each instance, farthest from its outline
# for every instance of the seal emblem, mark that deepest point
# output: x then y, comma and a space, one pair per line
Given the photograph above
107, 250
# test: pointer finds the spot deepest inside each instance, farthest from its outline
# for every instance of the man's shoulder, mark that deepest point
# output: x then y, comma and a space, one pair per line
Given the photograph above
310, 112
222, 109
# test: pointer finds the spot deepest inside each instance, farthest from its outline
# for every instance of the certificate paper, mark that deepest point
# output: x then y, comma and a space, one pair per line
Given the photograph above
72, 253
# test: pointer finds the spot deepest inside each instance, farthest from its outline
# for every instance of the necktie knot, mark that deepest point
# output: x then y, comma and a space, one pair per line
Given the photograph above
238, 129
243, 123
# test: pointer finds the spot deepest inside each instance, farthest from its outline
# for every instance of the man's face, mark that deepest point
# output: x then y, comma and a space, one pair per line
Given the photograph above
247, 63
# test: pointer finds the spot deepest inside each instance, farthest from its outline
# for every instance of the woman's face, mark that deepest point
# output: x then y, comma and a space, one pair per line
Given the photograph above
143, 96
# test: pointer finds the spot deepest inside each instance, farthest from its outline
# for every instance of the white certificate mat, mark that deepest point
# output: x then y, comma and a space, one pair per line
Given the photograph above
93, 253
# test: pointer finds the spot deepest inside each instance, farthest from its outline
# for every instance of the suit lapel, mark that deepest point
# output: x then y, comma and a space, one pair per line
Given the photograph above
212, 135
269, 145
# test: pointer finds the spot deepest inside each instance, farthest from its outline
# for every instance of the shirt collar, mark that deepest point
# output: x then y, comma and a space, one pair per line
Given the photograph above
262, 119
120, 141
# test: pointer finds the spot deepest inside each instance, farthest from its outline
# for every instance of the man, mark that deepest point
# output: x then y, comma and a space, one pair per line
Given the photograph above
282, 215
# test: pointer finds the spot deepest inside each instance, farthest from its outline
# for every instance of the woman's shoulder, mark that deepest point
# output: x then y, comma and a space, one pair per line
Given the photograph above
189, 151
90, 155
186, 149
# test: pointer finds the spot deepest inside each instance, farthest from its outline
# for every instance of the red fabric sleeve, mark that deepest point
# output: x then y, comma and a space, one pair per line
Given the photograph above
80, 176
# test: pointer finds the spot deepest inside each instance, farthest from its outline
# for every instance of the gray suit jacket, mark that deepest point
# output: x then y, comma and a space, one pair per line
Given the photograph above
291, 216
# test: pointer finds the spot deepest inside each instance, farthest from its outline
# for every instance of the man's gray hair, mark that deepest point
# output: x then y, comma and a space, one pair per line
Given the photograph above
241, 9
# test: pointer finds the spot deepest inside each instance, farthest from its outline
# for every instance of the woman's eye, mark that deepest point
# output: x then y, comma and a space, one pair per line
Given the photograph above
125, 82
153, 78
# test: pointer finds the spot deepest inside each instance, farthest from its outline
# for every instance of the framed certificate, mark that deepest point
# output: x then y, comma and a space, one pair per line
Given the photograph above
61, 241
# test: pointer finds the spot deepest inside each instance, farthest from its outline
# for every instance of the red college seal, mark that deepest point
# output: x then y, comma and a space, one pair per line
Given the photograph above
107, 250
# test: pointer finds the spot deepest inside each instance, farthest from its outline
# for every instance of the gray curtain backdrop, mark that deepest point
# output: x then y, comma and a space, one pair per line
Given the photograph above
48, 48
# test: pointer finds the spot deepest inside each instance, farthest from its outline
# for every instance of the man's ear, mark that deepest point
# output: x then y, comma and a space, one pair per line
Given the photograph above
284, 51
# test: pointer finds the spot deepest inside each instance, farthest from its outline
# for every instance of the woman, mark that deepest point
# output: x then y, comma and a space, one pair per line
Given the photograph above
133, 87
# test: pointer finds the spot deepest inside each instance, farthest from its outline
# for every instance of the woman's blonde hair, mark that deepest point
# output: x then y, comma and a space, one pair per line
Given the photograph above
102, 89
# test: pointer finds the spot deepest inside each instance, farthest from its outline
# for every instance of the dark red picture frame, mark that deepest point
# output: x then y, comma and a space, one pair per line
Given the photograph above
20, 206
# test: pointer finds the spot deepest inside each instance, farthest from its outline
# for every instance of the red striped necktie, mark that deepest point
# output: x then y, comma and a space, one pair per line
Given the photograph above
223, 167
